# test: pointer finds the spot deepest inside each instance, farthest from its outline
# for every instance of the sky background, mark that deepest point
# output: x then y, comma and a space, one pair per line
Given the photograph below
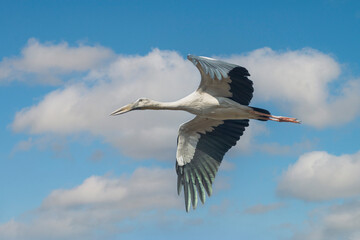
69, 171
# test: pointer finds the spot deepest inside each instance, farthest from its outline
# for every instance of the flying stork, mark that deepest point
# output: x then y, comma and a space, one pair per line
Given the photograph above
221, 106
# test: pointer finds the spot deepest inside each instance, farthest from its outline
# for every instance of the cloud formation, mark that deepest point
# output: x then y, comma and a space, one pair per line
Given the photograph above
318, 176
299, 81
99, 203
43, 63
77, 108
340, 221
299, 78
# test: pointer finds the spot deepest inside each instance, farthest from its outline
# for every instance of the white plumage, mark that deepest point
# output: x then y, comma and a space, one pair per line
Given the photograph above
222, 114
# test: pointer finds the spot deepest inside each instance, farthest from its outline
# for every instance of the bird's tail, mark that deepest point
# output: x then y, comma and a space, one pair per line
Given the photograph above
263, 118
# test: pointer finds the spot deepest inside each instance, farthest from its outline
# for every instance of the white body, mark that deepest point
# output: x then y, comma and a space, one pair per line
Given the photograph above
205, 105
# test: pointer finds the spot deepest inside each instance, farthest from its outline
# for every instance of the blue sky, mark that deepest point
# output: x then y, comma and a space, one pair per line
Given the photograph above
69, 171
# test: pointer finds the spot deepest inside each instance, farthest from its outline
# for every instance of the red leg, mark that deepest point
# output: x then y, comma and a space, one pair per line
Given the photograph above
265, 116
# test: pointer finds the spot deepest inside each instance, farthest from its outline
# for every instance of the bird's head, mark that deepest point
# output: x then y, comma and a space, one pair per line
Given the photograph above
141, 103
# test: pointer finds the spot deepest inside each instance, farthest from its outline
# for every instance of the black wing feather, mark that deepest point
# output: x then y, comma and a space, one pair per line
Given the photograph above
241, 87
199, 174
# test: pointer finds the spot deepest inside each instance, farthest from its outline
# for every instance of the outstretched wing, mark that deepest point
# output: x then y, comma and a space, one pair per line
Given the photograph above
202, 143
222, 79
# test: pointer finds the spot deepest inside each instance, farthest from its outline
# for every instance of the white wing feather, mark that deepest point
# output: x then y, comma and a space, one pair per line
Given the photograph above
189, 135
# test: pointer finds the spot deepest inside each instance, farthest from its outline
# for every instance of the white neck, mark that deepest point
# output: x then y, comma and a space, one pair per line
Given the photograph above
155, 105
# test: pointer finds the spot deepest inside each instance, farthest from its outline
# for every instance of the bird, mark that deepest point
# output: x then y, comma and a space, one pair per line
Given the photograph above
222, 112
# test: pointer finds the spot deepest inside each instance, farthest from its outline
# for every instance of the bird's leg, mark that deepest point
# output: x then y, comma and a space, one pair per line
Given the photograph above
285, 119
264, 116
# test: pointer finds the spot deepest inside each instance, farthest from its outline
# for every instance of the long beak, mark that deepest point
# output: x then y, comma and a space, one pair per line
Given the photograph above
122, 110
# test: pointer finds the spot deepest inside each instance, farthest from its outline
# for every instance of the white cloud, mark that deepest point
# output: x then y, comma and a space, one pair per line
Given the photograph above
320, 176
300, 78
77, 108
45, 62
144, 189
337, 222
299, 81
99, 204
